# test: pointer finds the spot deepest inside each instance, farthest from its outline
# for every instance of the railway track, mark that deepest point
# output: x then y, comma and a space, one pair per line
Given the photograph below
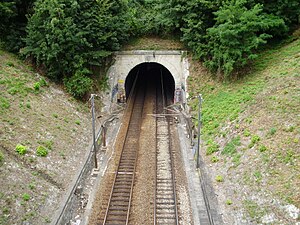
165, 202
118, 208
165, 207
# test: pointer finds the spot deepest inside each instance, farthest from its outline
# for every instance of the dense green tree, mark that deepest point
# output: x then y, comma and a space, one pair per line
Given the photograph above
225, 34
13, 21
69, 37
231, 42
288, 10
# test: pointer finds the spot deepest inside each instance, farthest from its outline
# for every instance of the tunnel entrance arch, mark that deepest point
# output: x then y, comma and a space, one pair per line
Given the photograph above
125, 64
150, 70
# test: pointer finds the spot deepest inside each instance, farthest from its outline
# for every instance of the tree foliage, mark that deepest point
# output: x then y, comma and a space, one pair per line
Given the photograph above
237, 33
69, 37
226, 34
13, 21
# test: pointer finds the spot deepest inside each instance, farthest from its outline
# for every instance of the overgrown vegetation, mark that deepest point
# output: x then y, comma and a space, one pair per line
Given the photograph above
1, 158
68, 39
26, 118
226, 34
42, 151
13, 21
21, 149
251, 132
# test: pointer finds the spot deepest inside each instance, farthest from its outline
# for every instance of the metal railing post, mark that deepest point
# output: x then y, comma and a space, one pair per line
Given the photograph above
199, 131
94, 134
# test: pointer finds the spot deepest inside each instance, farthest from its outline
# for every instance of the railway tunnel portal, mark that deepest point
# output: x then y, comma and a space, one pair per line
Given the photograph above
150, 72
173, 65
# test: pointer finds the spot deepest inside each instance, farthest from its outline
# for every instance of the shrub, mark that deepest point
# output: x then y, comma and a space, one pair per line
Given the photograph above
228, 202
28, 106
43, 82
219, 178
230, 147
41, 151
47, 143
4, 103
238, 32
214, 159
212, 147
37, 86
26, 197
262, 148
79, 84
272, 131
255, 139
66, 36
247, 133
77, 122
21, 149
1, 158
31, 186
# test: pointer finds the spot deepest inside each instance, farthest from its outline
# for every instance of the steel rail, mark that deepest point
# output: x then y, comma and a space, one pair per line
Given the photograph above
172, 164
124, 175
161, 94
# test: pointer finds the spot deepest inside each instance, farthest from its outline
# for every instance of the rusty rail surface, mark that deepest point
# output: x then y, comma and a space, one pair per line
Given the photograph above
165, 207
118, 208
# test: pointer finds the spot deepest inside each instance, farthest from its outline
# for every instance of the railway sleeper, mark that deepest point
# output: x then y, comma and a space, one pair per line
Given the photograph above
120, 199
165, 216
122, 187
165, 195
161, 188
125, 182
165, 201
117, 213
121, 194
116, 221
126, 170
113, 223
121, 208
164, 181
165, 206
165, 211
119, 204
124, 176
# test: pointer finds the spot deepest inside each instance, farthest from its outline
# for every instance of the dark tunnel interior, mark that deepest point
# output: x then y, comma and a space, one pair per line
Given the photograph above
151, 73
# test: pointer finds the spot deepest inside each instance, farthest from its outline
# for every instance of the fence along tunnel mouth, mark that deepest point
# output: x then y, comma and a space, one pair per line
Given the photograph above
151, 73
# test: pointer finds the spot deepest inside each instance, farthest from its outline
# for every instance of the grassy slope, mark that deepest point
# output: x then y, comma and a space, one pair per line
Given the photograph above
251, 130
30, 185
153, 43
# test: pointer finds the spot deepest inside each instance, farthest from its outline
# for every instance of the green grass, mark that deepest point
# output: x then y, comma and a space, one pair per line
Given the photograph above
4, 103
1, 158
42, 151
225, 104
254, 210
230, 147
47, 143
255, 119
225, 101
212, 147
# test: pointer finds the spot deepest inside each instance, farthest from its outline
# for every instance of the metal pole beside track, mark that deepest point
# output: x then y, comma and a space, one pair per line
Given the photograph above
199, 130
94, 134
